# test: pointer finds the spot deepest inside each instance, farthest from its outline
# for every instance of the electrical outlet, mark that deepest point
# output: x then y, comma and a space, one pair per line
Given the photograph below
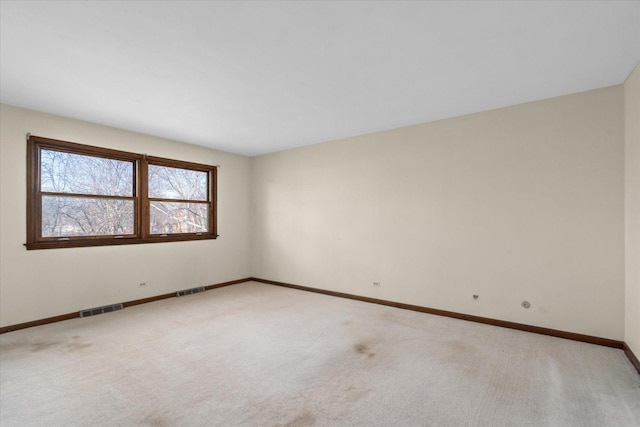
376, 284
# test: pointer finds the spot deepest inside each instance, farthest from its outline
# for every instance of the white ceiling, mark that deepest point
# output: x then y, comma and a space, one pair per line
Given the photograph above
257, 77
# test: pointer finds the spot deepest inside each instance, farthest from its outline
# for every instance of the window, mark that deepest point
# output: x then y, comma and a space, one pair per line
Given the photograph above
80, 195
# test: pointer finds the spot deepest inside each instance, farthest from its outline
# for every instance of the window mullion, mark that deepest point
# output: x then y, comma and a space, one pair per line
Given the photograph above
143, 199
85, 196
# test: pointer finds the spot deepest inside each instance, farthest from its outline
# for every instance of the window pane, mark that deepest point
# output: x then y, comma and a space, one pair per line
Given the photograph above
174, 217
175, 183
84, 216
75, 173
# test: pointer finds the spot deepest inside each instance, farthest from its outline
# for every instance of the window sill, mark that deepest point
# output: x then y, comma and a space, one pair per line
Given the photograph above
79, 243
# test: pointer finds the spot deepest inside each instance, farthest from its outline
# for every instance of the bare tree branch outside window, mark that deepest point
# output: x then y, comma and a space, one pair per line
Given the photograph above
70, 175
187, 187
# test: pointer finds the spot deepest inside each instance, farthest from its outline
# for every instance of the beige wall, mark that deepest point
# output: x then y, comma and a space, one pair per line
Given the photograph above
632, 210
520, 203
43, 283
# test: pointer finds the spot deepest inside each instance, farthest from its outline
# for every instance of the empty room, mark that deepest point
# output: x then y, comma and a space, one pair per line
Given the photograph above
319, 213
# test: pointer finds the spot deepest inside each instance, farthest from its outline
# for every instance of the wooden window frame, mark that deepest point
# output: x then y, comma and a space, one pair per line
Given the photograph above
142, 230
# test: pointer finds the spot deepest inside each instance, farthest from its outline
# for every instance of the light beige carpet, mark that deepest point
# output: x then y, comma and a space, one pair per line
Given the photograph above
260, 355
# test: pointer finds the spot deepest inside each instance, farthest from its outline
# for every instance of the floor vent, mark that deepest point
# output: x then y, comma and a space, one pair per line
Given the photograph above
100, 310
190, 291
